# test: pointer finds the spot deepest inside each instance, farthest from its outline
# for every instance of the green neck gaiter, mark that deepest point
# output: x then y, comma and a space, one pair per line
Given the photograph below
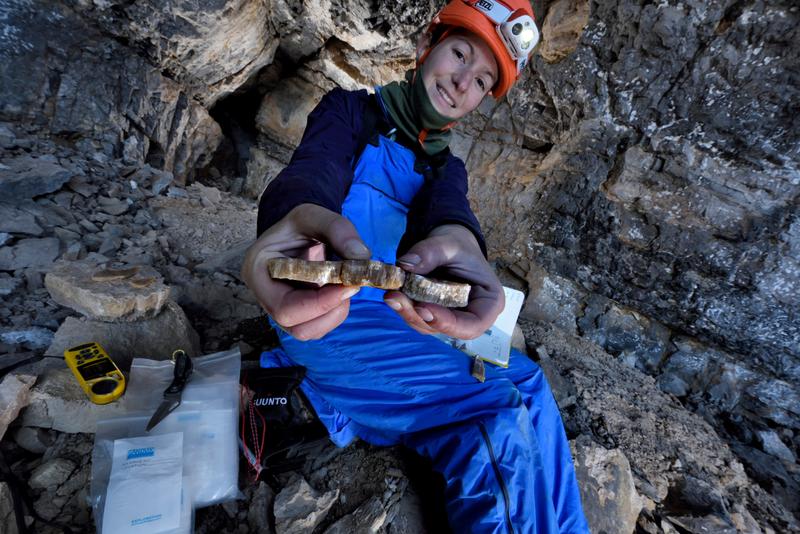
412, 111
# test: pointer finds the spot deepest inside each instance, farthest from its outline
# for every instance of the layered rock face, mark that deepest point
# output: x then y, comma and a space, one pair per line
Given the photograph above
669, 179
641, 184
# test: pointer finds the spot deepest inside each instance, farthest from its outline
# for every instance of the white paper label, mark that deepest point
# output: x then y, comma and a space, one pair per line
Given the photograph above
144, 489
494, 346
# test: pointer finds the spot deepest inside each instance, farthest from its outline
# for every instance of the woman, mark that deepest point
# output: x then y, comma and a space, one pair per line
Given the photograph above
372, 370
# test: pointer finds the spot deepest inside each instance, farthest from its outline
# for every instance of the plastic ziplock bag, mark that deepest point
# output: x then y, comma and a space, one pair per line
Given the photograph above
207, 417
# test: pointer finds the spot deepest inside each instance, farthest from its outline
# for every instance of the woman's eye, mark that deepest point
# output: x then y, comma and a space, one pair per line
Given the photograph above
481, 84
458, 54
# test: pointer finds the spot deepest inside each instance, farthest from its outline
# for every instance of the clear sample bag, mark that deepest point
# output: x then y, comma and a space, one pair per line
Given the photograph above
206, 418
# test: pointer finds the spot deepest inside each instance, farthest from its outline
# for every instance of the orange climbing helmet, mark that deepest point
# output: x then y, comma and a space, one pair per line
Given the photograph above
507, 26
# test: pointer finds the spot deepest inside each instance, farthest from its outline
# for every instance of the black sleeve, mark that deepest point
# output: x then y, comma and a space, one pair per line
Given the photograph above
320, 171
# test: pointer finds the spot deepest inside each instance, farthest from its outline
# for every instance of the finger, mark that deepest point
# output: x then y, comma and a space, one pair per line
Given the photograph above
330, 227
297, 306
318, 327
426, 256
404, 307
461, 324
469, 323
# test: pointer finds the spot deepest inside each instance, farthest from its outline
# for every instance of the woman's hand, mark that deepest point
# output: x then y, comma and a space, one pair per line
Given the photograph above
306, 313
453, 248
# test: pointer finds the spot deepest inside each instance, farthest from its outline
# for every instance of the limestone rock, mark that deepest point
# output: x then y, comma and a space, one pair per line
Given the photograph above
283, 112
518, 340
108, 294
58, 402
562, 28
8, 285
299, 508
8, 522
408, 518
51, 474
773, 445
369, 518
154, 338
25, 177
14, 396
35, 253
262, 168
303, 26
609, 497
664, 443
33, 338
216, 48
18, 221
35, 440
258, 511
553, 298
229, 261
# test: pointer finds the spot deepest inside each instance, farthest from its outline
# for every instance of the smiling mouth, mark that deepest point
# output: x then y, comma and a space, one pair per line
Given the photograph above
445, 96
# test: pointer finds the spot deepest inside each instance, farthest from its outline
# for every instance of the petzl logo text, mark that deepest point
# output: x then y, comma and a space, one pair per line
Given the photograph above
144, 452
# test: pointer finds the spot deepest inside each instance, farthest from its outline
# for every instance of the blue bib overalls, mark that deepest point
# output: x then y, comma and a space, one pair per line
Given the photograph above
500, 444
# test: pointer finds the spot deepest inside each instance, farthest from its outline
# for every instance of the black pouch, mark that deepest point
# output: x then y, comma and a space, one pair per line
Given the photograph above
278, 425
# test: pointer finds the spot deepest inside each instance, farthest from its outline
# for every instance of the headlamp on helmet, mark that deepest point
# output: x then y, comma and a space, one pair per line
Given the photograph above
517, 29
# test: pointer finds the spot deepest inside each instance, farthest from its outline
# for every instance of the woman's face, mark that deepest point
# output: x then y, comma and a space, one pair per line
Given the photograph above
458, 73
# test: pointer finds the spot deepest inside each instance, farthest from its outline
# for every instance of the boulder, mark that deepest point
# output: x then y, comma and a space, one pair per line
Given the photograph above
408, 515
554, 299
369, 518
154, 338
18, 221
14, 396
51, 474
8, 284
25, 177
8, 522
300, 508
610, 500
258, 511
32, 337
35, 253
58, 402
35, 440
122, 294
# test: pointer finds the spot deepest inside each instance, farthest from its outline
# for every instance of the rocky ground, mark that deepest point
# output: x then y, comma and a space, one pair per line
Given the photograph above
645, 462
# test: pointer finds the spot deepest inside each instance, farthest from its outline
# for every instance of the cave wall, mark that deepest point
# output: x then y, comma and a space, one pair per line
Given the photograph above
672, 182
666, 189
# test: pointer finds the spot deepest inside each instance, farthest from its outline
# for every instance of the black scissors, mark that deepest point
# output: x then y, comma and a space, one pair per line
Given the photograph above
172, 395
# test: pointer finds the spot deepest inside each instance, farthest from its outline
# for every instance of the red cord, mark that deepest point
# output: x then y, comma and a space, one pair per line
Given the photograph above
258, 445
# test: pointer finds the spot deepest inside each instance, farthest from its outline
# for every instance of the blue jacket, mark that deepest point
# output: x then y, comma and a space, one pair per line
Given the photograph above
321, 171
